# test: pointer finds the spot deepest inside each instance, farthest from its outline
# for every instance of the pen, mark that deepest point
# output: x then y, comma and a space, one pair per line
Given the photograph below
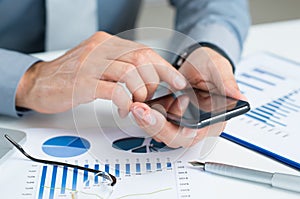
278, 180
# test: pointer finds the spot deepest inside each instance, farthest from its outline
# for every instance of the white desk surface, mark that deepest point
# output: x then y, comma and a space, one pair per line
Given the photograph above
281, 38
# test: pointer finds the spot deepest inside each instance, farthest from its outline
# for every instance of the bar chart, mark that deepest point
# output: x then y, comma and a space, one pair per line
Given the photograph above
276, 112
63, 182
151, 173
258, 80
271, 84
273, 93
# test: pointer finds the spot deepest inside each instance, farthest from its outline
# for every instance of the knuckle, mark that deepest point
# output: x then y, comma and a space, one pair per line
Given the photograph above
100, 34
126, 68
96, 39
137, 58
147, 51
141, 56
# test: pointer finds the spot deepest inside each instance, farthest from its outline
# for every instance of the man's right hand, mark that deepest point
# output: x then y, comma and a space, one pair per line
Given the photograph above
94, 70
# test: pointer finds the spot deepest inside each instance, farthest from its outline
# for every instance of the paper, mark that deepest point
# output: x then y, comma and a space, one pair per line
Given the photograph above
271, 85
155, 172
164, 174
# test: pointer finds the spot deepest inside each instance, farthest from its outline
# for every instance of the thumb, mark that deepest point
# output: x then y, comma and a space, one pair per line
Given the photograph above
232, 90
148, 119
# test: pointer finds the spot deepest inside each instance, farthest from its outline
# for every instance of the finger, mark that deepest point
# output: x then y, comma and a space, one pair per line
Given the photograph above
156, 139
208, 70
128, 74
232, 90
229, 83
142, 81
144, 117
156, 125
150, 78
116, 93
168, 73
142, 55
224, 79
137, 55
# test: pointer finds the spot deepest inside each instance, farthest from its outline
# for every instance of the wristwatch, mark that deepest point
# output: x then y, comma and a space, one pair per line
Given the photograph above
183, 56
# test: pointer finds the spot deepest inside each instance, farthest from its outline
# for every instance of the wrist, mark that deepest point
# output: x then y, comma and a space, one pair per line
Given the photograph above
25, 87
219, 51
183, 56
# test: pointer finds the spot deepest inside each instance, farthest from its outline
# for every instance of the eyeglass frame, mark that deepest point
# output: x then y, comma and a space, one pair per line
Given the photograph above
103, 174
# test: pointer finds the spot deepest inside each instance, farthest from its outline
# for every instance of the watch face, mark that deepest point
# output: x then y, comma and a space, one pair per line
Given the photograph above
182, 57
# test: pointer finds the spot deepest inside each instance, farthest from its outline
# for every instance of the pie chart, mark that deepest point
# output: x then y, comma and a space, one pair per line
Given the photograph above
140, 145
66, 146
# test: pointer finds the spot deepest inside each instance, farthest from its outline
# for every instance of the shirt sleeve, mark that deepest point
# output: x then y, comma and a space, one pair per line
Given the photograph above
13, 66
222, 23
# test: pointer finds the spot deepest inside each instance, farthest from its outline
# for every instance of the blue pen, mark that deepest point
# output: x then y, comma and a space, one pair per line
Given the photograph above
278, 180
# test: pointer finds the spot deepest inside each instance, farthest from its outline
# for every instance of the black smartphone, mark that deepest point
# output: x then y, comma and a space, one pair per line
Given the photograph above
195, 108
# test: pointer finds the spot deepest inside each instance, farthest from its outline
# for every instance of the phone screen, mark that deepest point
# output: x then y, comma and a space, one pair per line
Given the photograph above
196, 108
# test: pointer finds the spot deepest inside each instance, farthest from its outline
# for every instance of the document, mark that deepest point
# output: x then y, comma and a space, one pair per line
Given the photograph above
157, 172
143, 167
271, 84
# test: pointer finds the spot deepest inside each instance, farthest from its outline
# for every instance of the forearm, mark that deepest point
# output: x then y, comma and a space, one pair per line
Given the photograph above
219, 22
13, 66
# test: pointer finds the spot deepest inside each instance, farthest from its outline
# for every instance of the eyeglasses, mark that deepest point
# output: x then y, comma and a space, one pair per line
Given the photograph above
107, 176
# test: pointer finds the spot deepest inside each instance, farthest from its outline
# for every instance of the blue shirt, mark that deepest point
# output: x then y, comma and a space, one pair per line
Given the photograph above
222, 23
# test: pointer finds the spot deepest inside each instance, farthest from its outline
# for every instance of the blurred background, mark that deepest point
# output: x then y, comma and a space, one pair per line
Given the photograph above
262, 11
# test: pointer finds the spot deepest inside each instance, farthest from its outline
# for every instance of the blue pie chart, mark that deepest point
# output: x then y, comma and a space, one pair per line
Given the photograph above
66, 146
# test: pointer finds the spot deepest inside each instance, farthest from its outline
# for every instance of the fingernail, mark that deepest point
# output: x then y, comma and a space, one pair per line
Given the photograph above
138, 112
179, 82
150, 119
141, 114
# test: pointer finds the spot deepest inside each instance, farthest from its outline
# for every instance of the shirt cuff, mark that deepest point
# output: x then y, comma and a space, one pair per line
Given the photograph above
13, 66
220, 37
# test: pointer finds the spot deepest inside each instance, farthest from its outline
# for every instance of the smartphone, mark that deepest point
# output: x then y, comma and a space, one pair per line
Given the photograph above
195, 108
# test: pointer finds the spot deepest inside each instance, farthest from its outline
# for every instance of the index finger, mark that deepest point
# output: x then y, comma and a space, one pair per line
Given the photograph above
168, 73
143, 56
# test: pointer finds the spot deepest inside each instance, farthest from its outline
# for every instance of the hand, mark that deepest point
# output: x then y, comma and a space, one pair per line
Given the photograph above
94, 69
204, 69
208, 70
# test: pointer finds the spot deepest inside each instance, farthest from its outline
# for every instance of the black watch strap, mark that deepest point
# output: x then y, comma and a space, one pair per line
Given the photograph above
182, 57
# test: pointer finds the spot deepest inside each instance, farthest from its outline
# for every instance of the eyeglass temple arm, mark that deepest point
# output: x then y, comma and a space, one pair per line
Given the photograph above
100, 173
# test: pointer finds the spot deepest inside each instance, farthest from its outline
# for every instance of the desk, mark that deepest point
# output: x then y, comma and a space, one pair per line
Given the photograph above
280, 38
